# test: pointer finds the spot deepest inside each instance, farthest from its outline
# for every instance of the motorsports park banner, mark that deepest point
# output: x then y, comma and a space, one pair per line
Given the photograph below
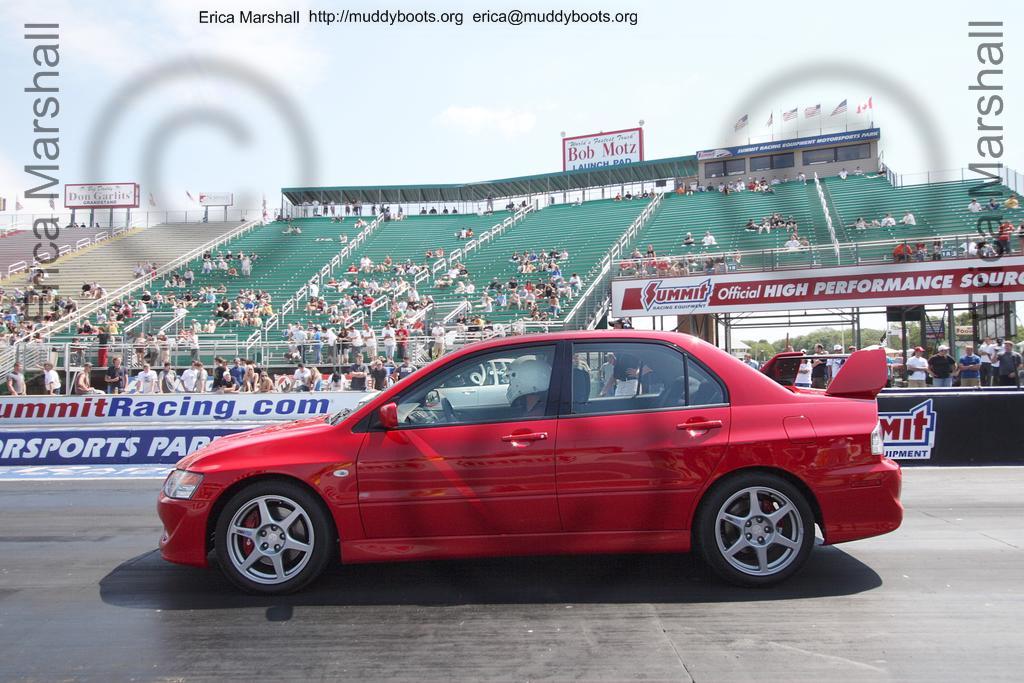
934, 282
142, 428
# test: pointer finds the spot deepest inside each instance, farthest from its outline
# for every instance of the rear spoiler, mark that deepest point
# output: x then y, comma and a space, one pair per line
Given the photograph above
863, 375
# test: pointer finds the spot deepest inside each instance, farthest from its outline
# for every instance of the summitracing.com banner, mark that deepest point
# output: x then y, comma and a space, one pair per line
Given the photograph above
46, 411
933, 282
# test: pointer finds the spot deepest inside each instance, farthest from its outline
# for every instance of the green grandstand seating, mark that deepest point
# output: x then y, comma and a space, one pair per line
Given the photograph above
726, 215
586, 232
285, 263
939, 208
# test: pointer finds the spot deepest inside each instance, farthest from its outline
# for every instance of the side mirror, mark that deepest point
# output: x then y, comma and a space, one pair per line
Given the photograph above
388, 415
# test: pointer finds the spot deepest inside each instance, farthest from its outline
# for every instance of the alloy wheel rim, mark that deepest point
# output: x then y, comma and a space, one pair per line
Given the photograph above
270, 539
759, 531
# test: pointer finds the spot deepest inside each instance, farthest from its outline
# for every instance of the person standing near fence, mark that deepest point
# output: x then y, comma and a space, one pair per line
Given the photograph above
115, 377
970, 368
917, 369
943, 367
1009, 366
16, 381
103, 340
987, 351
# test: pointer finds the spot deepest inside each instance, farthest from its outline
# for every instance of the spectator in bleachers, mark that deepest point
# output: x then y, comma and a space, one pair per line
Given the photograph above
974, 206
860, 223
843, 174
1002, 241
902, 252
1011, 203
709, 240
908, 219
888, 221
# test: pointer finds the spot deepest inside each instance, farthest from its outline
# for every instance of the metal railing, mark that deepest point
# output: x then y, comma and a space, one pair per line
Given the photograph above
1010, 178
828, 216
141, 282
852, 253
23, 220
64, 249
588, 303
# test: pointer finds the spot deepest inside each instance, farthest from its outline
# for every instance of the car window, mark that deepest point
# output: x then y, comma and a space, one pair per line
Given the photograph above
496, 386
635, 376
703, 388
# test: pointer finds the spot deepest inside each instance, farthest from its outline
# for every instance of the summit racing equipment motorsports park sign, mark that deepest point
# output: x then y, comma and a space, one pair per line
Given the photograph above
934, 282
603, 149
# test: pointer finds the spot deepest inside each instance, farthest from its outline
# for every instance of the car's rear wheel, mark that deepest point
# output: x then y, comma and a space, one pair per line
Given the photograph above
273, 537
755, 529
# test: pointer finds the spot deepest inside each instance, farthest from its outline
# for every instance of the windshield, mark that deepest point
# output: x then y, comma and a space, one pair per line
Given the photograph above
337, 417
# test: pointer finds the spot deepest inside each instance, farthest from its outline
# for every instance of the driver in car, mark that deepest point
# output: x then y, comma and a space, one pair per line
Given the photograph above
629, 377
528, 386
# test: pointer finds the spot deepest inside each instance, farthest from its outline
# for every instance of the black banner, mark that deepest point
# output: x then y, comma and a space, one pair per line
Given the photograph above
936, 427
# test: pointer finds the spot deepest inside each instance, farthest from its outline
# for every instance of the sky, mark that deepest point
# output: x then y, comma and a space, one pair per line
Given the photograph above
149, 94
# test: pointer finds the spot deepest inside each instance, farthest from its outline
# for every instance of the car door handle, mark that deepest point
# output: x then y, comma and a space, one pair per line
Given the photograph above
531, 436
700, 424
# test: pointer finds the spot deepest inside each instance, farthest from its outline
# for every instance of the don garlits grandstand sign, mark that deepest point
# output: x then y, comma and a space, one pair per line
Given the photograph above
603, 149
101, 196
933, 282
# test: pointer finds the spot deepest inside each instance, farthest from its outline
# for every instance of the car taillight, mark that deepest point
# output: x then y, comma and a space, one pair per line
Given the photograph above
877, 447
181, 484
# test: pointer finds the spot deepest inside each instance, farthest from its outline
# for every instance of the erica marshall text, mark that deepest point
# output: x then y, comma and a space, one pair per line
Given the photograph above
248, 17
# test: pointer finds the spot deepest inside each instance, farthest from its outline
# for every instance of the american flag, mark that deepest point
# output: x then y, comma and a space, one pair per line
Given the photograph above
742, 123
771, 120
812, 111
865, 106
840, 108
789, 115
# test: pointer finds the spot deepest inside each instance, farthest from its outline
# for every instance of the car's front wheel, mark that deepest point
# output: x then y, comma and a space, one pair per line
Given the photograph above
273, 537
755, 529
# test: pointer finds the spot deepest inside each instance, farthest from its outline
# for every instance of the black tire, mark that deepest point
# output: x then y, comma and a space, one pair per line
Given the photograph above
795, 529
314, 528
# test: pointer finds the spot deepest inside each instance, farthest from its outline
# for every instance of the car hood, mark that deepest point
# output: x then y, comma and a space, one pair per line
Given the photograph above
253, 442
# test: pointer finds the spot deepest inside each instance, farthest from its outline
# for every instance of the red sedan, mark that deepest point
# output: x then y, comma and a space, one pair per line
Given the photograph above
581, 442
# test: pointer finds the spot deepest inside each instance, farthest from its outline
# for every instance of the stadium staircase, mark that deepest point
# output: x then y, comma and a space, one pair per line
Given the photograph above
111, 262
18, 247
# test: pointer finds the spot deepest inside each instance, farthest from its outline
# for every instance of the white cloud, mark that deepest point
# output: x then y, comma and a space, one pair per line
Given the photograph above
478, 120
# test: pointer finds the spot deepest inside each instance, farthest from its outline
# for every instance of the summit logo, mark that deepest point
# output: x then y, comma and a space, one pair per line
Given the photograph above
656, 296
909, 435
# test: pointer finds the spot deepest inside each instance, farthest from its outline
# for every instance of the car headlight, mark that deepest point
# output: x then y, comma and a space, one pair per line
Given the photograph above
182, 484
877, 447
